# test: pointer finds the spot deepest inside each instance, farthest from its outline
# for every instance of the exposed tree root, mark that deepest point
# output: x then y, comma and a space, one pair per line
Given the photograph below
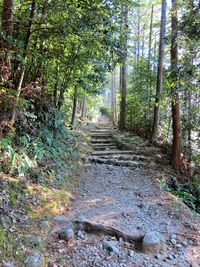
108, 230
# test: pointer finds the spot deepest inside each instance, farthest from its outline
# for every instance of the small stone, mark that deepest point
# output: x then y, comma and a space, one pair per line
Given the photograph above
185, 243
173, 241
67, 235
194, 264
8, 264
158, 256
178, 245
191, 242
131, 253
35, 260
141, 205
60, 219
80, 235
170, 257
45, 225
173, 236
153, 241
35, 241
82, 218
111, 246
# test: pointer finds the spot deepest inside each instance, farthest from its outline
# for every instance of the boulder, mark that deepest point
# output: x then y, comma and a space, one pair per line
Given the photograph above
152, 242
35, 259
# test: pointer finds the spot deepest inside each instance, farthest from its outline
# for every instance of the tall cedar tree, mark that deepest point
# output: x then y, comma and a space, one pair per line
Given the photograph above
123, 70
156, 120
176, 120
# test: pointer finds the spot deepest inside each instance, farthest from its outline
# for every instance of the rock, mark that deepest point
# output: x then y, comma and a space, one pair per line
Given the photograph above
185, 243
8, 264
66, 235
82, 218
173, 236
131, 253
158, 256
194, 264
45, 226
111, 246
170, 257
152, 242
178, 245
35, 260
80, 235
35, 241
173, 241
60, 219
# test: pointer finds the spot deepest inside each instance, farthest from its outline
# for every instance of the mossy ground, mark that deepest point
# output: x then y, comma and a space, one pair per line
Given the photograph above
43, 192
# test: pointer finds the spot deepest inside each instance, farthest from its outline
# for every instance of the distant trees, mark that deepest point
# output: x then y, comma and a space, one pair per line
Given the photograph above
5, 38
162, 89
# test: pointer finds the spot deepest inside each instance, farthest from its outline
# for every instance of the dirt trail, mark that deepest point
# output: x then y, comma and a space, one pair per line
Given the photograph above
129, 199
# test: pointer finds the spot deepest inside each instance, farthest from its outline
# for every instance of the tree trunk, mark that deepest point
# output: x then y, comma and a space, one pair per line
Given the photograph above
6, 27
22, 72
113, 96
73, 120
83, 108
138, 35
156, 120
176, 120
55, 93
124, 72
150, 36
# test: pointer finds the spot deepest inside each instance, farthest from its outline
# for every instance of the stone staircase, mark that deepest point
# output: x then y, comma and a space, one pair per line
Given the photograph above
106, 151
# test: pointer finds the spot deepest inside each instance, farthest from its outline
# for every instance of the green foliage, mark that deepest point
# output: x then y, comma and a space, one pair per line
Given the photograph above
188, 193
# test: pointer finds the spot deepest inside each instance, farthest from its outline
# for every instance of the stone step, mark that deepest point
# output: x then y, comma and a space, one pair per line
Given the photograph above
100, 141
104, 148
113, 152
128, 157
123, 163
101, 131
104, 145
100, 135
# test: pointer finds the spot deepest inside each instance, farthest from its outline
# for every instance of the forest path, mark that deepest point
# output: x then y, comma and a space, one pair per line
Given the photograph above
128, 198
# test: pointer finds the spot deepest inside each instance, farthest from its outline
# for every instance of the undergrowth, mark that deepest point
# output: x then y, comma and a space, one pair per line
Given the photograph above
39, 161
189, 193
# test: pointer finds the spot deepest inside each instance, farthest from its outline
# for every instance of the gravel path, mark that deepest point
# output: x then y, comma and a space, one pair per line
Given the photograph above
130, 200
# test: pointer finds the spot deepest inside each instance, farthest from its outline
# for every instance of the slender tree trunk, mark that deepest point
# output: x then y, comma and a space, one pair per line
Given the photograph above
113, 96
176, 119
124, 73
74, 109
23, 69
150, 36
138, 35
55, 93
156, 120
6, 27
83, 108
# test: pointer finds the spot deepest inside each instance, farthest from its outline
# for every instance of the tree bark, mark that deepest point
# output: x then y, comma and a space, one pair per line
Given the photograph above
176, 120
23, 69
83, 108
150, 36
113, 96
124, 72
156, 120
7, 27
73, 120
